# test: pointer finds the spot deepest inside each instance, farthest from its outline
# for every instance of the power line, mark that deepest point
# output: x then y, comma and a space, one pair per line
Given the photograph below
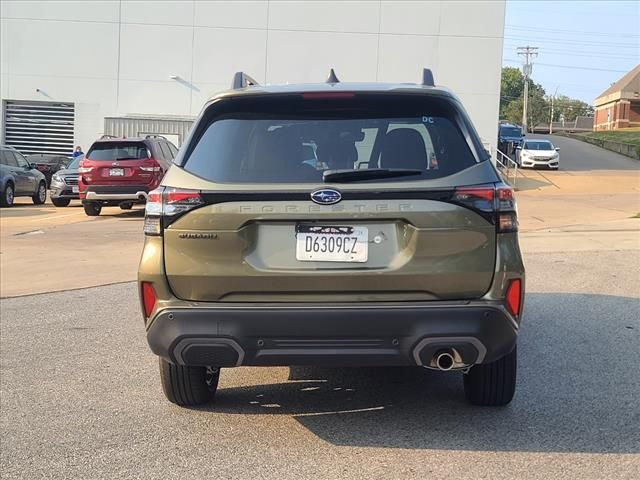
512, 44
510, 60
572, 41
572, 32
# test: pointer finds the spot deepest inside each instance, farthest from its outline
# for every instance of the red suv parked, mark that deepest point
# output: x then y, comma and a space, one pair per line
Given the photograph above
122, 171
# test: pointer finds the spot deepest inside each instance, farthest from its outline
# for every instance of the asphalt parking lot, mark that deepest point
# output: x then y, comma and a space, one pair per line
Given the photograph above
80, 394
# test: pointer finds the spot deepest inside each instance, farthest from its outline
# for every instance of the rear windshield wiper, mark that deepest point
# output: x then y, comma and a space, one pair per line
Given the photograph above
367, 174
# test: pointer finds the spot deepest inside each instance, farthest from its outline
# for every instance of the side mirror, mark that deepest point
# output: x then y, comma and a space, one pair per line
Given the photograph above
519, 147
557, 149
30, 166
524, 134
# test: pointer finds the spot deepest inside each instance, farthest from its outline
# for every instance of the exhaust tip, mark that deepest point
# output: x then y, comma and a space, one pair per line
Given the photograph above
444, 361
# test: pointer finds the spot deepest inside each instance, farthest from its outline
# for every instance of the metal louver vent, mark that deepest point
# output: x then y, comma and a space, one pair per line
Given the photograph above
39, 127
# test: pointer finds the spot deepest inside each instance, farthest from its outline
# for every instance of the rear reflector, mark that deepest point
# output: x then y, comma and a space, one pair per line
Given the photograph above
512, 300
148, 298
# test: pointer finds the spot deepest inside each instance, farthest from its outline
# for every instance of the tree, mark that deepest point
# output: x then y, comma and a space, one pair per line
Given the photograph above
570, 108
511, 88
539, 108
512, 91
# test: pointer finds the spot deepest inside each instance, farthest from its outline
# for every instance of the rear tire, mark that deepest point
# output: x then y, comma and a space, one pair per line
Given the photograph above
41, 194
8, 195
492, 384
188, 386
126, 206
61, 202
92, 209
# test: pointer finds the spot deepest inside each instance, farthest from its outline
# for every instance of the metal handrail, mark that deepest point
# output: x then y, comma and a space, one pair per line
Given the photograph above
508, 166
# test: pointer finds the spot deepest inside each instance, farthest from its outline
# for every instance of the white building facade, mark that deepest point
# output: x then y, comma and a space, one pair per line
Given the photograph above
100, 59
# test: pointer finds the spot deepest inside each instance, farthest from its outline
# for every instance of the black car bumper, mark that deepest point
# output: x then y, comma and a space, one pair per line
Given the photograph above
358, 335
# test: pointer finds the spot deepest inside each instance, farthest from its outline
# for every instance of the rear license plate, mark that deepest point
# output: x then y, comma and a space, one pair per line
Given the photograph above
116, 172
75, 189
331, 243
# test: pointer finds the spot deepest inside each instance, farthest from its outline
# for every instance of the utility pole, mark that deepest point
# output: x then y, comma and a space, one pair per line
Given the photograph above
551, 118
528, 53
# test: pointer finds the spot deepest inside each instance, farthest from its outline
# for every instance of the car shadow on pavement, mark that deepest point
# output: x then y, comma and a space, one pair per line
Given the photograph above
578, 391
133, 214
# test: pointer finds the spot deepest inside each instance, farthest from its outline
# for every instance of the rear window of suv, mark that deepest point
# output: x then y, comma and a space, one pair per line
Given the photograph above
113, 151
295, 139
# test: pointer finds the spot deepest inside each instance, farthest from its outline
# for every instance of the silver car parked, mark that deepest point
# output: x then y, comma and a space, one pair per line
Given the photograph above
18, 178
64, 184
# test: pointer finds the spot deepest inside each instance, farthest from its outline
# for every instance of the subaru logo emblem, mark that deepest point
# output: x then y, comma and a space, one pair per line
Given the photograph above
326, 196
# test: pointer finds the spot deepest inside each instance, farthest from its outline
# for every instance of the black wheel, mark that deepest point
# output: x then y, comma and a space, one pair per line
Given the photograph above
61, 202
492, 384
126, 205
188, 386
8, 195
92, 209
41, 194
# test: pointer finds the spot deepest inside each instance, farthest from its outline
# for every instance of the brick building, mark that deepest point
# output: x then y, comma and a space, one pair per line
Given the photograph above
619, 105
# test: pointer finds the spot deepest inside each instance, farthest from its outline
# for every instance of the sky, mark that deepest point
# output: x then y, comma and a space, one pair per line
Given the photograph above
583, 46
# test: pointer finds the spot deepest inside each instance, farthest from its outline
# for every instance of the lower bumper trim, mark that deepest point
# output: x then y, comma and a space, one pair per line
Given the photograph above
384, 335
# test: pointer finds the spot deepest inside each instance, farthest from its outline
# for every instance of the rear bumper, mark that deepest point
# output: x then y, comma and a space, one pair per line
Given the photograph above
107, 193
340, 335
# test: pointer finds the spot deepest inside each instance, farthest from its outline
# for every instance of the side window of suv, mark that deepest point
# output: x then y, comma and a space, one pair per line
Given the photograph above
166, 153
8, 159
20, 160
174, 150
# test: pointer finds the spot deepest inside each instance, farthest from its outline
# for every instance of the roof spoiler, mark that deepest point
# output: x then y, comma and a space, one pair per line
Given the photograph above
242, 80
427, 78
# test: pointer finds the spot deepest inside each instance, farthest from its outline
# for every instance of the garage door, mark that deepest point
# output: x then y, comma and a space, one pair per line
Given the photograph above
39, 127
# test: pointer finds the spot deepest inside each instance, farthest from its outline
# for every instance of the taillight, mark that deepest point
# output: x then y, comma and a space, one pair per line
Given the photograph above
84, 167
489, 199
177, 201
153, 213
507, 213
513, 296
153, 166
148, 298
166, 204
476, 198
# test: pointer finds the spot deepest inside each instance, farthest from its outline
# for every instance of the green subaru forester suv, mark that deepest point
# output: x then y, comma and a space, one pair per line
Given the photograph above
332, 224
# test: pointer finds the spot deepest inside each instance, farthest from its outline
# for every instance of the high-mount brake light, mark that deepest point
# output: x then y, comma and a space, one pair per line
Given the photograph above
327, 95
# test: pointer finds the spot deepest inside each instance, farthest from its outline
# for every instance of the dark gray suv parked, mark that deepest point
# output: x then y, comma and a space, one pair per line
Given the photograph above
18, 178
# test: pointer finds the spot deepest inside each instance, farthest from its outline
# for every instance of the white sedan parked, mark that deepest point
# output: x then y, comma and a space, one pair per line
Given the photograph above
538, 153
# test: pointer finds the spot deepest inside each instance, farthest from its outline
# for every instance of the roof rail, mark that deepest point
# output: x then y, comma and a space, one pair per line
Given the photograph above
427, 77
332, 77
107, 136
242, 80
155, 136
